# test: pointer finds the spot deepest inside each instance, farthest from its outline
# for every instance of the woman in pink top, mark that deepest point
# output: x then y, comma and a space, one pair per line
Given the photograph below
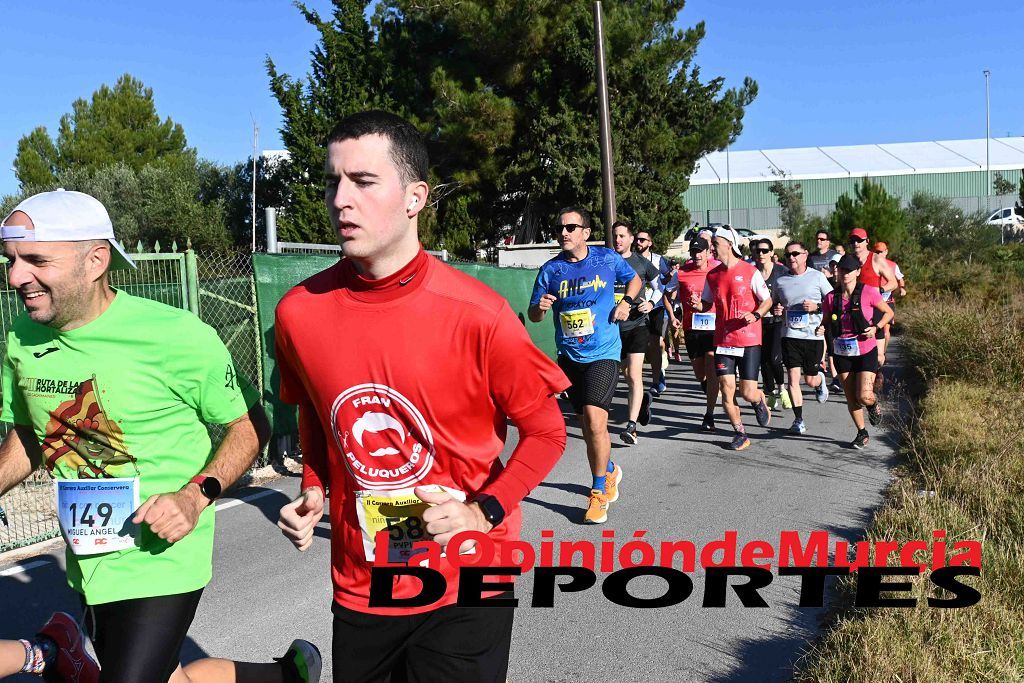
850, 311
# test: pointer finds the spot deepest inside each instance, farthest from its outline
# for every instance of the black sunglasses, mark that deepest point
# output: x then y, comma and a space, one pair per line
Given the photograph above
762, 251
822, 239
570, 227
794, 254
857, 240
642, 239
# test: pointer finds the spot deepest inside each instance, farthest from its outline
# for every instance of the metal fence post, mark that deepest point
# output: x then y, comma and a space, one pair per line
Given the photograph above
192, 281
271, 225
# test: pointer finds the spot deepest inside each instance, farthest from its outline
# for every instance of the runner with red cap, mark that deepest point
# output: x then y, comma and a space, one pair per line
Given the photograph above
890, 297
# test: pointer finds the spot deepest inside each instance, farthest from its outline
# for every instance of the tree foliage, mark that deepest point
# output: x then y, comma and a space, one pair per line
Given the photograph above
160, 202
796, 223
117, 125
505, 95
873, 209
1000, 185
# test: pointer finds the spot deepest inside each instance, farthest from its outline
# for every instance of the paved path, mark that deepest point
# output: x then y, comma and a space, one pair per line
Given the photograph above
678, 484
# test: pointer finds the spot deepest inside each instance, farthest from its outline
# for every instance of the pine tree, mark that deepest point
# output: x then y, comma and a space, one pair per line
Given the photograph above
117, 125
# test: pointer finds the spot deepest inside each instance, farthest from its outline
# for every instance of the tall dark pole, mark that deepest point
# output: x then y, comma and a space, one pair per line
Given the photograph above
607, 171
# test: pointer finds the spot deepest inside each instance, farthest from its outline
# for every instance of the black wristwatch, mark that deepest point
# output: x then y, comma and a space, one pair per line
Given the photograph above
628, 299
757, 316
492, 509
209, 486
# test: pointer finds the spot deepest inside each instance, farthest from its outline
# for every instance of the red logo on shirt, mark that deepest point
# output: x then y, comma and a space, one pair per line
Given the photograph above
386, 442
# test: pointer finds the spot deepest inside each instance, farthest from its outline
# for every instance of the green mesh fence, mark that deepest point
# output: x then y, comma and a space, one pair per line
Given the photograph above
226, 297
277, 273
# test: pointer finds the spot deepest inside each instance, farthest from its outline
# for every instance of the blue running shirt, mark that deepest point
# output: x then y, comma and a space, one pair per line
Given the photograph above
582, 314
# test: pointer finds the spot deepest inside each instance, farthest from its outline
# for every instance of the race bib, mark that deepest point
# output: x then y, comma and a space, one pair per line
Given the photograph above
400, 513
735, 351
578, 323
846, 347
703, 322
95, 514
798, 320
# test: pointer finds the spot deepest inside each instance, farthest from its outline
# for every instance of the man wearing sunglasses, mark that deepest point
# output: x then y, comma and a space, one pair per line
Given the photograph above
698, 326
578, 287
822, 258
798, 298
741, 298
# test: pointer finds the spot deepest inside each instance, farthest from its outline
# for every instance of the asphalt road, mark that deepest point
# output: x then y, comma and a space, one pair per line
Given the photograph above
679, 484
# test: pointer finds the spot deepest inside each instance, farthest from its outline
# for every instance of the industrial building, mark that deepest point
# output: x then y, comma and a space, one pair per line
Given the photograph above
736, 182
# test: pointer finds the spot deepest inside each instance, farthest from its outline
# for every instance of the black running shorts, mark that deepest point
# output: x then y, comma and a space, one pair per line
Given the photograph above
749, 364
634, 340
448, 644
140, 640
804, 354
657, 319
593, 384
699, 343
867, 362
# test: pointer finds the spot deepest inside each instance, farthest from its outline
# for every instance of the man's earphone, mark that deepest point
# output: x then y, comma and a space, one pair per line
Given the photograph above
413, 203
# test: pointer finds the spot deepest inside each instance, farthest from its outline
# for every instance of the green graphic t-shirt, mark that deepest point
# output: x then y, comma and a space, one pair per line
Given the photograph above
126, 395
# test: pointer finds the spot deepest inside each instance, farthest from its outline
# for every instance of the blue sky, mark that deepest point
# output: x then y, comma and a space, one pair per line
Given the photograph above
829, 73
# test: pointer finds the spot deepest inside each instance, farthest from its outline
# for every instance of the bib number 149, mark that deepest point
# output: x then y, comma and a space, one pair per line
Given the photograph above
87, 515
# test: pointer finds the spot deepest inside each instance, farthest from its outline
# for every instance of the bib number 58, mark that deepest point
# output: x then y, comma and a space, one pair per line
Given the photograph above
410, 528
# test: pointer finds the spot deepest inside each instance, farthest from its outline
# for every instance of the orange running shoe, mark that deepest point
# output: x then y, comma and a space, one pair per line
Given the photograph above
597, 508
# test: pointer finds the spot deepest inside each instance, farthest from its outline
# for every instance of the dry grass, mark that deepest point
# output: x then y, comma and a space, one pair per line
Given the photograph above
968, 447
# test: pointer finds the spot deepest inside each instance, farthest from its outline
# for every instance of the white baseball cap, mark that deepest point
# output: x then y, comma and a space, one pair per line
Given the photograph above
66, 216
727, 233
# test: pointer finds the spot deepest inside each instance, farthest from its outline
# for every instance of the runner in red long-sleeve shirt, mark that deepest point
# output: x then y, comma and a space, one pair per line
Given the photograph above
404, 371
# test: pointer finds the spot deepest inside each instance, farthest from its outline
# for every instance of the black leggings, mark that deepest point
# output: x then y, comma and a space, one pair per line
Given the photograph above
139, 640
772, 373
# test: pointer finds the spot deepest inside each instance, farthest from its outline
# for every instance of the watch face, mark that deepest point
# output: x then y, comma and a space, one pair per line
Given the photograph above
493, 511
211, 488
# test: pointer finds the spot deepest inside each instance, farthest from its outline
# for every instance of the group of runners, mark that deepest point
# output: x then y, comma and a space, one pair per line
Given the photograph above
401, 424
747, 323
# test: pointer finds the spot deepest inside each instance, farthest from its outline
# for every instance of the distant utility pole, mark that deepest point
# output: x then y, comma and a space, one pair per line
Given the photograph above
607, 171
728, 185
255, 146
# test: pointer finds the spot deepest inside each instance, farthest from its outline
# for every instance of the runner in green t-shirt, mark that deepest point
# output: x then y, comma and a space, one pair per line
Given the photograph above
112, 394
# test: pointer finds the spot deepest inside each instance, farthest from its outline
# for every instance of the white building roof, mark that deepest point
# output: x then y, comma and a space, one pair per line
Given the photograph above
900, 158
